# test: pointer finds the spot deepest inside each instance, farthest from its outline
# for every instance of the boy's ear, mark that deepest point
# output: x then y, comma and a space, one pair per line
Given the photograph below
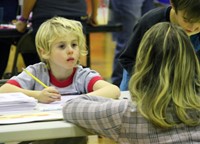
44, 54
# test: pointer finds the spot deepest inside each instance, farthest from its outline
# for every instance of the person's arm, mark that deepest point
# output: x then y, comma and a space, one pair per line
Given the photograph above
47, 95
105, 89
100, 115
94, 12
27, 7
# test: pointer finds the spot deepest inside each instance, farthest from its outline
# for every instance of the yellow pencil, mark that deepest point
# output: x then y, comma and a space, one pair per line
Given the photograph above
35, 78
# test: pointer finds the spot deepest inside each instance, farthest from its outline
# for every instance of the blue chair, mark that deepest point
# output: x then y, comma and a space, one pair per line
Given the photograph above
165, 2
161, 3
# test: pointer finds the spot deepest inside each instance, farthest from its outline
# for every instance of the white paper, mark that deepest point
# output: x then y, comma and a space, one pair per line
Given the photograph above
29, 117
57, 105
16, 102
20, 113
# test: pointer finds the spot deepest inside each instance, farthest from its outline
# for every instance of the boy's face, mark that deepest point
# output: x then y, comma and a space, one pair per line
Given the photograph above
64, 52
190, 28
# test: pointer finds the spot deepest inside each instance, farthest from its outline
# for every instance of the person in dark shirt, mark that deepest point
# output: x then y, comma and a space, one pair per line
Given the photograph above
185, 13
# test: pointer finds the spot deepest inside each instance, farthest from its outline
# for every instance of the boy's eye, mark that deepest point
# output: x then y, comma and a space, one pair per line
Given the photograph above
62, 46
74, 45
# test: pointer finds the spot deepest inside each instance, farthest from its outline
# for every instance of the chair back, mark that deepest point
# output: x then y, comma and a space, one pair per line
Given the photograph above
27, 43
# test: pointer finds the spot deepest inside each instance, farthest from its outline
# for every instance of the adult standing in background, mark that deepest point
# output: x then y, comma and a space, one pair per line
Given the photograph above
46, 9
127, 13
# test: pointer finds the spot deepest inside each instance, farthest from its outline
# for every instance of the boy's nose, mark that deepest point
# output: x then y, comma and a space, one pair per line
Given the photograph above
70, 50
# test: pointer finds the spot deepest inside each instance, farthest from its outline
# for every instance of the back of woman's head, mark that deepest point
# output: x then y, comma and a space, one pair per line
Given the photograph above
166, 73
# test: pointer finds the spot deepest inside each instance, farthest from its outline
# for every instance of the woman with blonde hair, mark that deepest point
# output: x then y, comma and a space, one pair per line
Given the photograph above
165, 87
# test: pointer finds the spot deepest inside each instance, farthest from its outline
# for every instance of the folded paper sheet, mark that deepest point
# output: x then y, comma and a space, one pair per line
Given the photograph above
31, 116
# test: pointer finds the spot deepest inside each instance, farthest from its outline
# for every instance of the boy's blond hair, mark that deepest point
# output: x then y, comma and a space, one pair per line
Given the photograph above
57, 27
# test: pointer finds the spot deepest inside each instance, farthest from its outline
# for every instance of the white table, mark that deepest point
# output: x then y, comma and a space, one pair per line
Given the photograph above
39, 131
43, 130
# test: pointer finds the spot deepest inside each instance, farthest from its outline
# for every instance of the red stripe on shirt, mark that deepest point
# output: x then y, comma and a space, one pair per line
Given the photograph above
63, 83
92, 82
13, 82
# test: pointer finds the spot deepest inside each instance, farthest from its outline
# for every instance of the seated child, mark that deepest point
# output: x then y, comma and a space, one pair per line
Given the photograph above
59, 43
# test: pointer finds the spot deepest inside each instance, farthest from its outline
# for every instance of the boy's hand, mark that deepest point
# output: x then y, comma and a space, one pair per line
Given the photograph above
48, 95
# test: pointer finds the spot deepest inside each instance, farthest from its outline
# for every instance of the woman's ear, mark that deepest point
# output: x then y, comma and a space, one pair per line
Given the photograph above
44, 54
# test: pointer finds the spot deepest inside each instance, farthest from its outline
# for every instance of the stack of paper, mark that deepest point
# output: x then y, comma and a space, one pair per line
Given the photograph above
16, 102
